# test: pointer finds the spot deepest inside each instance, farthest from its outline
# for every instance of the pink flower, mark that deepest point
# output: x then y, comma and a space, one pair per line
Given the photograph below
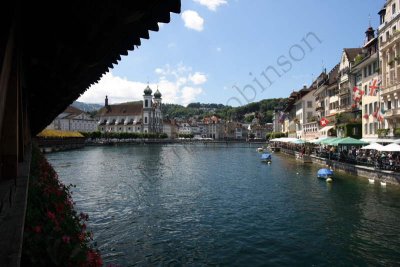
66, 239
84, 216
59, 207
93, 258
51, 215
37, 229
81, 237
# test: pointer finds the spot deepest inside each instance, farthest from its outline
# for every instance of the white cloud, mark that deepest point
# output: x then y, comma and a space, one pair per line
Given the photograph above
117, 88
212, 4
160, 25
178, 84
198, 78
193, 20
159, 71
189, 94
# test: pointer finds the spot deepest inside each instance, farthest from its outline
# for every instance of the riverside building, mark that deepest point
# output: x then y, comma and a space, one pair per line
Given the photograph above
133, 117
389, 54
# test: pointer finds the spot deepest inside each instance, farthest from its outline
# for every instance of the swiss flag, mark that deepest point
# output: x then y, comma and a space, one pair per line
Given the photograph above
357, 94
323, 122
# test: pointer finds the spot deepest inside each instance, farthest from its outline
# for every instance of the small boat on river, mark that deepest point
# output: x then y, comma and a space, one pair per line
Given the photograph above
326, 174
260, 149
266, 157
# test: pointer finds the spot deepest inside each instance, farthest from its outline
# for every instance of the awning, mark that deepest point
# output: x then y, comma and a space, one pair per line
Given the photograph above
319, 140
391, 148
326, 128
328, 141
348, 141
283, 139
380, 140
298, 142
373, 146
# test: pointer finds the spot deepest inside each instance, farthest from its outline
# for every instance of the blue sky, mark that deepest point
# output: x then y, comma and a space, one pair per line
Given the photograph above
205, 54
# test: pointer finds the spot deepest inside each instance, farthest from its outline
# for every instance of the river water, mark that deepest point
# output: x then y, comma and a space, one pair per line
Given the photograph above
218, 205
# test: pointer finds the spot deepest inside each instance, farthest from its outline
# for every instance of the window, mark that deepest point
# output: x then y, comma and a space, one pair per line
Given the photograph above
387, 36
355, 131
309, 104
394, 9
366, 109
389, 105
146, 103
358, 77
370, 128
145, 119
369, 70
366, 90
366, 128
370, 108
381, 39
365, 72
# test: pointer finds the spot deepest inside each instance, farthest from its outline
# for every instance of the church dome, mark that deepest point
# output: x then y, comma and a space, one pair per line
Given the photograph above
147, 91
157, 94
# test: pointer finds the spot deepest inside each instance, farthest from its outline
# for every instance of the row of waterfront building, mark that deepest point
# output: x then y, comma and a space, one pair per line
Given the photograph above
146, 117
358, 97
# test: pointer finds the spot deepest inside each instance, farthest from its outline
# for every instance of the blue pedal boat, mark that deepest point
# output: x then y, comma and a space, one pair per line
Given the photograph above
266, 157
326, 174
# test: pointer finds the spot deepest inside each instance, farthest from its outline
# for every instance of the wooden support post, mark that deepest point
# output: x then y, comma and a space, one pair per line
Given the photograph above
9, 112
9, 147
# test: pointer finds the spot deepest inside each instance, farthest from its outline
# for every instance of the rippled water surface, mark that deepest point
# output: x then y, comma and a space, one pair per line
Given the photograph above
219, 205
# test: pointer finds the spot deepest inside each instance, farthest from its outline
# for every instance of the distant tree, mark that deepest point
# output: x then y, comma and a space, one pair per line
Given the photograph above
249, 119
265, 109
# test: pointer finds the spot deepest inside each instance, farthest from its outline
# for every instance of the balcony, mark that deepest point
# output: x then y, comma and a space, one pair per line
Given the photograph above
344, 106
344, 91
391, 86
320, 108
392, 113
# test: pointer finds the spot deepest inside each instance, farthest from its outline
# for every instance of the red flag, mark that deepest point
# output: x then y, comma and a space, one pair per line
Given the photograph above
357, 94
366, 116
375, 114
323, 122
373, 87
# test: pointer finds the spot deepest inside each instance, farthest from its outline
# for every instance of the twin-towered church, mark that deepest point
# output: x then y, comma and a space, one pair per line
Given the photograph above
133, 117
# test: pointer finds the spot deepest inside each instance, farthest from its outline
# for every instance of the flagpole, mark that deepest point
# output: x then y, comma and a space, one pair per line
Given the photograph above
379, 78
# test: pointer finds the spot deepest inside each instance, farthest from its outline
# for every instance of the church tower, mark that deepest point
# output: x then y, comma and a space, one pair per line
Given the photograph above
147, 110
158, 119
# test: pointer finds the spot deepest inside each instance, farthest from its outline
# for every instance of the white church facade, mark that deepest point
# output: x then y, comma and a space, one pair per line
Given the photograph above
133, 117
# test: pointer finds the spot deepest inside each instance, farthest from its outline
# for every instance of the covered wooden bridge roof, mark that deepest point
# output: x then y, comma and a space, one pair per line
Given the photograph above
68, 46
